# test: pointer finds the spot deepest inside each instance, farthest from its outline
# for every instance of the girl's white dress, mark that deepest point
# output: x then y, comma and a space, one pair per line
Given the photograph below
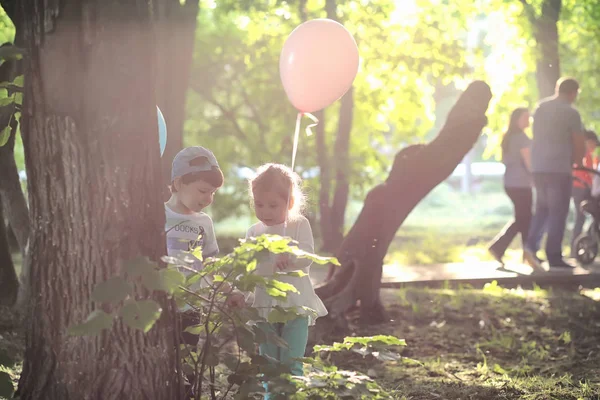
300, 231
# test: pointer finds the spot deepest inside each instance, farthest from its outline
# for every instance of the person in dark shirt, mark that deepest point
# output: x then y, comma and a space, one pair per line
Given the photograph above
557, 144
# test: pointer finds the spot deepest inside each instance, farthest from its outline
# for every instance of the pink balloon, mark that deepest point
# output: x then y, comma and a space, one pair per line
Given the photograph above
318, 64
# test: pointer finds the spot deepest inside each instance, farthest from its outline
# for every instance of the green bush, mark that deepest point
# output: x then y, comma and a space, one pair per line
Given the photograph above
222, 369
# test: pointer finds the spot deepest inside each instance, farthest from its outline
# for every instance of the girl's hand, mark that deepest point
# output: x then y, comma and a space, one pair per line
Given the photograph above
283, 261
235, 300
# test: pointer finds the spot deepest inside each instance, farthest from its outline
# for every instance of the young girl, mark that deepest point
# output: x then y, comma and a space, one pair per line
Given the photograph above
278, 200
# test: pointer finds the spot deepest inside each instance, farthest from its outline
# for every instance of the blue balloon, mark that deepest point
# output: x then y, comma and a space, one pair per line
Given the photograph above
162, 131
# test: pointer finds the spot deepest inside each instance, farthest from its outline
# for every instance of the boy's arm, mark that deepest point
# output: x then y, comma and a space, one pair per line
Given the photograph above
211, 247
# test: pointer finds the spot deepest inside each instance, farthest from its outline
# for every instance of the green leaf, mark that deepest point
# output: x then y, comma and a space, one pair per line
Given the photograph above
19, 81
95, 323
113, 290
5, 135
371, 344
171, 279
282, 315
277, 340
297, 274
165, 280
152, 280
251, 266
248, 314
386, 340
260, 335
276, 293
188, 369
5, 359
499, 370
197, 252
245, 339
141, 314
139, 266
6, 386
235, 379
195, 329
283, 286
6, 101
11, 52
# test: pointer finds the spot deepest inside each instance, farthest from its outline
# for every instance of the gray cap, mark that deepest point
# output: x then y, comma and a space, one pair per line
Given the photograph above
182, 161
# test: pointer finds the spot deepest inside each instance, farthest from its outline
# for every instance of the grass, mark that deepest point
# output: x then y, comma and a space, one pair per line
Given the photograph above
12, 344
493, 343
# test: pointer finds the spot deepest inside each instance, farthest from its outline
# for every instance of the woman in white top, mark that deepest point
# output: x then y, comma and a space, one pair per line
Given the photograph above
277, 200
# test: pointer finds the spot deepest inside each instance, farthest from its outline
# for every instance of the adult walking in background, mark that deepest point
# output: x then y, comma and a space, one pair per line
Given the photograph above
517, 182
582, 183
557, 144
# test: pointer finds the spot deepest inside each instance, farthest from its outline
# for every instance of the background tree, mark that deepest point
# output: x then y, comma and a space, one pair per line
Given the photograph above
544, 25
417, 169
175, 32
89, 133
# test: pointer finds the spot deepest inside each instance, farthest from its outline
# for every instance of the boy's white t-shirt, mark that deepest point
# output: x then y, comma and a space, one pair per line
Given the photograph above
185, 232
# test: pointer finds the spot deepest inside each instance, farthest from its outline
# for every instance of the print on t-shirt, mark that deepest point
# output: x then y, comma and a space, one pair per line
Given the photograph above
185, 233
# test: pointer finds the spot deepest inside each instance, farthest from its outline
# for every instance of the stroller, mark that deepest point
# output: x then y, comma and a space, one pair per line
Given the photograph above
586, 245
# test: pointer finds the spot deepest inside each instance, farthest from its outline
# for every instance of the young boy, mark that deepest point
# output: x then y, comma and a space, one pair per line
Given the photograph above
195, 177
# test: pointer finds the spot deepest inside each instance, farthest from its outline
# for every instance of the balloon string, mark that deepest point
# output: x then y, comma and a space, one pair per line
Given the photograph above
315, 121
296, 135
295, 150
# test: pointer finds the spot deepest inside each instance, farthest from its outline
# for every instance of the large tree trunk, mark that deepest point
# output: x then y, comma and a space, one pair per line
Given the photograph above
545, 31
9, 285
94, 188
416, 171
341, 155
175, 33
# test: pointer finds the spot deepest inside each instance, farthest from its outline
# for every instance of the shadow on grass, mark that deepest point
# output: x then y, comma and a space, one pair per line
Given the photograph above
493, 343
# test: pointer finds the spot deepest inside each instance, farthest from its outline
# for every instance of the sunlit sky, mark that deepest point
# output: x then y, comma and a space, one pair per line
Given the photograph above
506, 59
504, 62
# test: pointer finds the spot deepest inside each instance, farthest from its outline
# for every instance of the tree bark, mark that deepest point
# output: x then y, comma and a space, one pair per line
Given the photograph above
342, 169
93, 171
9, 284
545, 30
416, 171
332, 206
175, 33
324, 179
